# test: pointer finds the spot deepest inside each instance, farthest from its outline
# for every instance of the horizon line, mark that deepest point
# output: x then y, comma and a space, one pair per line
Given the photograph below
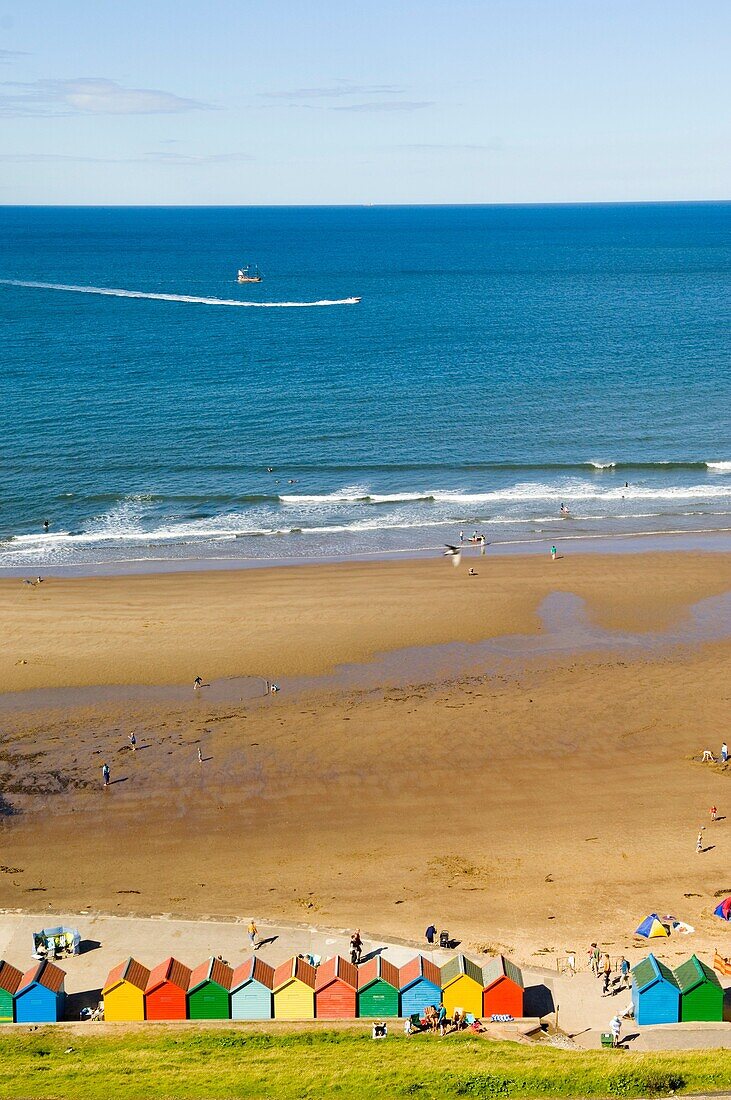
353, 205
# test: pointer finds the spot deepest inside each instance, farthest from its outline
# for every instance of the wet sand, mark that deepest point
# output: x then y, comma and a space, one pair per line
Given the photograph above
536, 806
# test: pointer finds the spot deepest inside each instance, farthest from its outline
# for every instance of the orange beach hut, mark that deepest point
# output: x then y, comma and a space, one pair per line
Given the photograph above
336, 986
503, 988
166, 992
124, 991
294, 990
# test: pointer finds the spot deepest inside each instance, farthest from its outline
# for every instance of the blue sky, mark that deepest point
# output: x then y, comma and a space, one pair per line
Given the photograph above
276, 101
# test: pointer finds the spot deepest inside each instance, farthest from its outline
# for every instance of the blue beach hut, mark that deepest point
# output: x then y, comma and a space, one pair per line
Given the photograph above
655, 993
420, 985
251, 991
40, 997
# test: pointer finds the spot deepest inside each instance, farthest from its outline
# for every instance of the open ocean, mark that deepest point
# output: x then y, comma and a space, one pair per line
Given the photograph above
503, 360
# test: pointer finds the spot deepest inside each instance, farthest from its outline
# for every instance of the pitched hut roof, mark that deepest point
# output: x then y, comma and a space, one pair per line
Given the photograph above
336, 967
649, 970
460, 965
416, 968
46, 974
692, 973
253, 969
375, 969
10, 977
172, 971
129, 970
295, 968
500, 967
212, 970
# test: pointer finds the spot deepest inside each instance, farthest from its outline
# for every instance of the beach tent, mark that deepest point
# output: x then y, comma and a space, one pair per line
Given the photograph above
655, 993
40, 995
503, 988
209, 991
10, 979
166, 991
651, 926
336, 985
378, 988
723, 910
701, 994
420, 985
462, 986
251, 990
294, 990
124, 991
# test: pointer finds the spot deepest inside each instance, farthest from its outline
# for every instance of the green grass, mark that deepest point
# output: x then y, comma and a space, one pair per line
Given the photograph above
225, 1063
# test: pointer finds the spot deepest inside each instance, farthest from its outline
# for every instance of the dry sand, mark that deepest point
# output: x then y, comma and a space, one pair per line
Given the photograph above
552, 802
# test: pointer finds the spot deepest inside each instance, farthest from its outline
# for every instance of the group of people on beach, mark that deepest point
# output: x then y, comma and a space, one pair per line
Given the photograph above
600, 964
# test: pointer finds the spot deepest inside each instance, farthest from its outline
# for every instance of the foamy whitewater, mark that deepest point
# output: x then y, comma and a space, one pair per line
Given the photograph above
501, 362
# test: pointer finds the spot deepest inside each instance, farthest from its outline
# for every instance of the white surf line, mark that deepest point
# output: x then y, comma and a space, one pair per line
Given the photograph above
115, 293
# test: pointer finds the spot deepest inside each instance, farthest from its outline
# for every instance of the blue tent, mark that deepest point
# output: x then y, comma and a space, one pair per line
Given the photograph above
723, 909
651, 926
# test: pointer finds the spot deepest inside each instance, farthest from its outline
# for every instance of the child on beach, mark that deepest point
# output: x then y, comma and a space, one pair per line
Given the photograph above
713, 811
553, 553
105, 774
699, 842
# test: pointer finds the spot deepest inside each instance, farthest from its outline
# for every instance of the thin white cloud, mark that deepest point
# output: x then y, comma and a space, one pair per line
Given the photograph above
6, 56
337, 91
386, 105
90, 96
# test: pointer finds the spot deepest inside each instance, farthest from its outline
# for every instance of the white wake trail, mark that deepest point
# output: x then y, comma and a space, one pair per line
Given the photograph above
114, 293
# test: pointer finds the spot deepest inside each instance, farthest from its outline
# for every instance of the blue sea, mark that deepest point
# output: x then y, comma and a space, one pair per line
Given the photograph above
501, 361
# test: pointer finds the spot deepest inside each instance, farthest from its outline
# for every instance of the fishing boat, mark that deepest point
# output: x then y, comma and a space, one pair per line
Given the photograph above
248, 274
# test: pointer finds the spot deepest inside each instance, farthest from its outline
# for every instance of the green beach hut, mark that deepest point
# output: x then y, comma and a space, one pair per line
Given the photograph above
378, 988
10, 979
701, 994
209, 991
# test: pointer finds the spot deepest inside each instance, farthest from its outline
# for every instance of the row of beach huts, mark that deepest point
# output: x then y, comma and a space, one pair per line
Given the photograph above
339, 990
254, 990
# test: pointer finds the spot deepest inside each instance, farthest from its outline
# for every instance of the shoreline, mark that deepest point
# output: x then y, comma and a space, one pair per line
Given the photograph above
702, 540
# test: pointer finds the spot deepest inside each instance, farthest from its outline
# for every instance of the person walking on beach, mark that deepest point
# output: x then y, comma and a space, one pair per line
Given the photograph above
724, 753
713, 812
616, 1028
430, 934
105, 774
553, 553
699, 841
200, 755
606, 973
624, 971
356, 947
252, 934
133, 742
197, 683
593, 954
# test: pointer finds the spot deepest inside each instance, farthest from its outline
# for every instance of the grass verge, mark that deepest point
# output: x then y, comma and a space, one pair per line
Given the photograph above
156, 1062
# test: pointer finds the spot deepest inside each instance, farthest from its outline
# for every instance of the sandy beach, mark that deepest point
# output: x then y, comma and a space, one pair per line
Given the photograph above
535, 806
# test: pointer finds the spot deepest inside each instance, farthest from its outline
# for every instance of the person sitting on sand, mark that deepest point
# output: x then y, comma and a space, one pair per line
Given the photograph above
472, 573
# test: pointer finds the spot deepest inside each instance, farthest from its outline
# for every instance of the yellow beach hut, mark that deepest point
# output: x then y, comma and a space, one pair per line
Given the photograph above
294, 990
462, 986
124, 991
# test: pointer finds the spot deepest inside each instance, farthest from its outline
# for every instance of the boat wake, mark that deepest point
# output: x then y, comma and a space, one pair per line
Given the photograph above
115, 293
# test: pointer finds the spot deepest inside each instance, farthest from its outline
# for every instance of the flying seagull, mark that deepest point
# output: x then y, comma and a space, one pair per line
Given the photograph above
455, 553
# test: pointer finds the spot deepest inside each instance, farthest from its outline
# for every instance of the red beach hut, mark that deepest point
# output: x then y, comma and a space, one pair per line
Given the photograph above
166, 991
503, 988
336, 988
